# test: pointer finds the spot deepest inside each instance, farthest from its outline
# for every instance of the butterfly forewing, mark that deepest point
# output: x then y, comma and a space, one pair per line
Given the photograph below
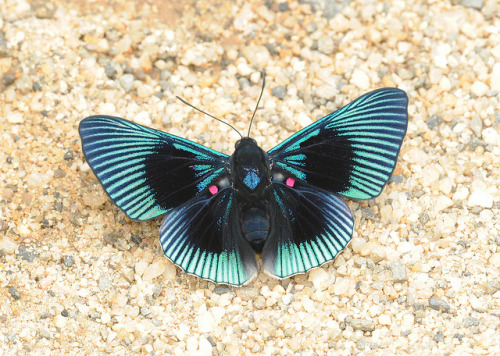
204, 238
352, 151
309, 227
147, 172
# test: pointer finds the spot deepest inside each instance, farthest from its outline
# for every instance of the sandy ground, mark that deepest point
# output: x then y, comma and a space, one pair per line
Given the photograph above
421, 275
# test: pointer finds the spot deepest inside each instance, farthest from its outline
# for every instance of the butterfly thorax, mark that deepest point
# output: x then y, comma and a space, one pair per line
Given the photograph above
251, 177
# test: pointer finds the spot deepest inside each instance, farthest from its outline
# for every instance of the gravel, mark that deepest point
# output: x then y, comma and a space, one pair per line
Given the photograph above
421, 275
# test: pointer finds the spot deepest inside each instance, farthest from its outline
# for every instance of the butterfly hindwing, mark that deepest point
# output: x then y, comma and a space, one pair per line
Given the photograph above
352, 151
204, 238
309, 227
144, 171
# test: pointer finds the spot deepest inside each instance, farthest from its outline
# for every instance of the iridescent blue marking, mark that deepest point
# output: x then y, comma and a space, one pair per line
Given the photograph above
251, 180
298, 174
205, 182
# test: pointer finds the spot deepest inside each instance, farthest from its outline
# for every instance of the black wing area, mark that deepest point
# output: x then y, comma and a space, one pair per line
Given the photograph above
352, 151
204, 238
144, 171
309, 227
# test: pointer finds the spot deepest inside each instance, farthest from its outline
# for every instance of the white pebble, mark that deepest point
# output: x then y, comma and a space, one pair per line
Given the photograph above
479, 88
481, 198
154, 270
319, 278
495, 260
360, 79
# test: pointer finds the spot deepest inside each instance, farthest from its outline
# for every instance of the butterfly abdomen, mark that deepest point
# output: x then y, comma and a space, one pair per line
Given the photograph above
255, 227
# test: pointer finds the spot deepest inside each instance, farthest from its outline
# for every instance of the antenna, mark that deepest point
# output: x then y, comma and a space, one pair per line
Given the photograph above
213, 117
258, 101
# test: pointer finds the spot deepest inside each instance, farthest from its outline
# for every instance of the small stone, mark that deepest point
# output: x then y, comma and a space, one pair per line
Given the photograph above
470, 321
398, 272
247, 293
14, 293
258, 56
474, 4
385, 319
492, 286
361, 324
476, 125
479, 88
319, 278
341, 286
326, 92
357, 244
59, 173
439, 337
154, 270
27, 253
65, 313
326, 45
116, 241
434, 121
481, 198
7, 245
360, 79
104, 283
94, 200
68, 261
442, 202
126, 81
438, 304
110, 70
145, 311
279, 91
222, 289
490, 136
494, 260
3, 44
44, 333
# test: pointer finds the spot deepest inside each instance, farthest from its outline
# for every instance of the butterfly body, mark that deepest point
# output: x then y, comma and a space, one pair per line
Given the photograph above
285, 203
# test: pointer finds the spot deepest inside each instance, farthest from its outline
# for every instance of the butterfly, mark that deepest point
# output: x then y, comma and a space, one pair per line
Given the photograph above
285, 204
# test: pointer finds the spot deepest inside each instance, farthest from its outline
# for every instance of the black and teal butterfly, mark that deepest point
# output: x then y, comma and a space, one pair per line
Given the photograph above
222, 210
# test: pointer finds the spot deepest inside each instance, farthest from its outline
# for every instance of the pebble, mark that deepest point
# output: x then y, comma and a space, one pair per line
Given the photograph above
154, 270
326, 92
8, 246
104, 282
474, 4
258, 56
326, 45
438, 304
479, 88
279, 91
126, 82
94, 200
360, 79
494, 260
68, 261
470, 321
398, 272
439, 337
14, 293
320, 278
481, 198
361, 324
27, 253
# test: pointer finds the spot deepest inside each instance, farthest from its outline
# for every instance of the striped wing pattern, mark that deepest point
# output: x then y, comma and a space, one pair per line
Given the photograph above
144, 171
309, 228
352, 151
204, 238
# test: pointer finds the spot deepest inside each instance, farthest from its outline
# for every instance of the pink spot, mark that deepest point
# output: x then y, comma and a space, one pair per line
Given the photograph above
290, 182
213, 189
